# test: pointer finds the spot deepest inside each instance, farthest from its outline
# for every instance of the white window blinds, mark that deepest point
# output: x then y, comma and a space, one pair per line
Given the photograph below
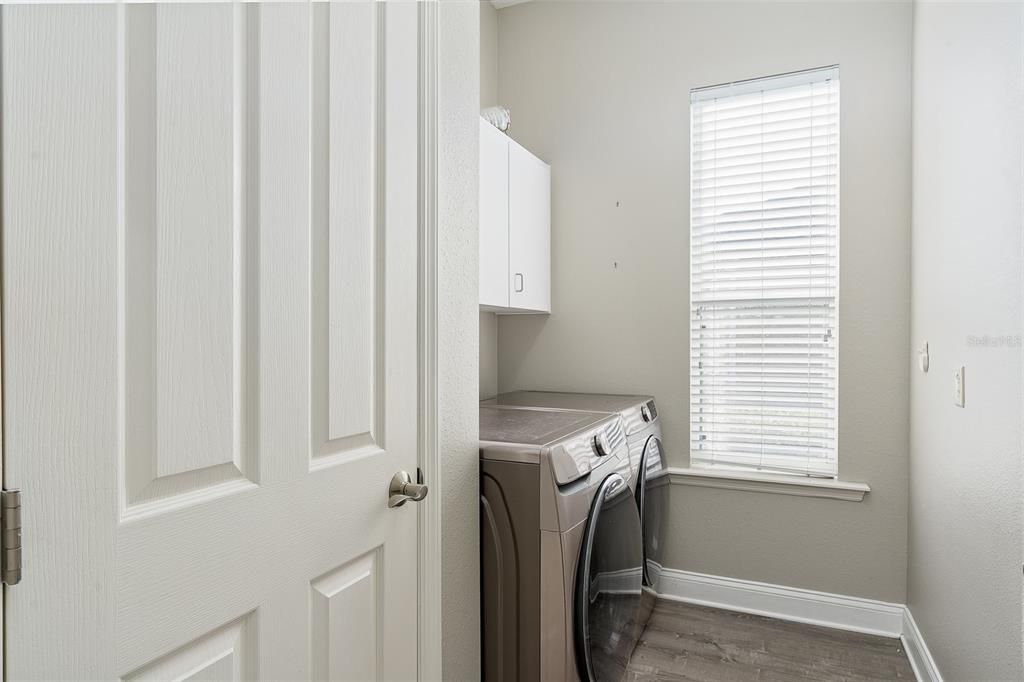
764, 261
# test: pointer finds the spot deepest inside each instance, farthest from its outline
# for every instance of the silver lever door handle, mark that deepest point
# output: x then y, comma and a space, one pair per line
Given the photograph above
402, 490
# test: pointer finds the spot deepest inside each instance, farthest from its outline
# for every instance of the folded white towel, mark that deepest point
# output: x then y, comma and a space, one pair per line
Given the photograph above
499, 117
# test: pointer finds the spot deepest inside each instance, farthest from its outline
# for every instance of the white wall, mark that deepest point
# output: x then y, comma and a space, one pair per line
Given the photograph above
600, 90
459, 433
965, 505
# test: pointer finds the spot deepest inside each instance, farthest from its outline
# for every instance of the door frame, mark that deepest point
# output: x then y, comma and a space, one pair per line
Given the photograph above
429, 543
429, 550
3, 356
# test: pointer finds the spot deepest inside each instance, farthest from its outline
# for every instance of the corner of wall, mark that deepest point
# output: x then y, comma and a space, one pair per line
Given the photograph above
488, 355
488, 97
488, 54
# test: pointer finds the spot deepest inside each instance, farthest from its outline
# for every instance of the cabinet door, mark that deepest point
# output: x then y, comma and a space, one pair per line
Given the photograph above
529, 208
494, 280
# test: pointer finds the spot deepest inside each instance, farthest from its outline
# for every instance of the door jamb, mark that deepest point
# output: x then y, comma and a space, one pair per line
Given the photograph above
3, 588
429, 549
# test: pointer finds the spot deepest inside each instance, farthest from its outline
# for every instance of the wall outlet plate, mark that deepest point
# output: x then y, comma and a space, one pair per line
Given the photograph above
958, 386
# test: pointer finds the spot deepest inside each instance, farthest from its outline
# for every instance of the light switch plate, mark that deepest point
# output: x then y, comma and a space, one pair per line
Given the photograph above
958, 387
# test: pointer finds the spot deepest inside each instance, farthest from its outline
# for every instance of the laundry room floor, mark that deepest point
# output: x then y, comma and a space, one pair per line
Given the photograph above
688, 642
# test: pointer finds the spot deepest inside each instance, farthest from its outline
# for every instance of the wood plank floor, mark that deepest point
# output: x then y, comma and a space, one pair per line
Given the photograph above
687, 642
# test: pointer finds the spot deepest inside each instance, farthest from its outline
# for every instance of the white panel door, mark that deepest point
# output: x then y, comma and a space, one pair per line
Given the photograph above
494, 146
210, 323
529, 230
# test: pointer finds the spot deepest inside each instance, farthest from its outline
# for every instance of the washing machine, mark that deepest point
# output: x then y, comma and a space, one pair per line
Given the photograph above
648, 469
561, 546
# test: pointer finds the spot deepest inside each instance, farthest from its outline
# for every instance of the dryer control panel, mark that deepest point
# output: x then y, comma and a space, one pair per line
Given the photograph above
575, 457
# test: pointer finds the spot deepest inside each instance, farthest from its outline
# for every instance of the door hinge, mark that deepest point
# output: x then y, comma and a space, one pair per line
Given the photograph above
10, 540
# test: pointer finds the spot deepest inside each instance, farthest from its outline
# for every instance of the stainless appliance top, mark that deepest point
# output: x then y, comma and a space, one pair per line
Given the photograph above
596, 402
532, 427
638, 411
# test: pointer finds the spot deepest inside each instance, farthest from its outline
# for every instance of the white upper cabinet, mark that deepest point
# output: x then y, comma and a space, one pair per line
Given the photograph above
529, 231
493, 216
515, 226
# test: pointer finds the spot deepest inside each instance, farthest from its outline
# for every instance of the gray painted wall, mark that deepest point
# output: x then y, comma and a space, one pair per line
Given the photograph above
965, 503
488, 55
600, 90
488, 355
488, 98
458, 429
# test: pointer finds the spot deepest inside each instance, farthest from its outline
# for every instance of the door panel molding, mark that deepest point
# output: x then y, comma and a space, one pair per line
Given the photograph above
345, 612
188, 231
348, 231
227, 653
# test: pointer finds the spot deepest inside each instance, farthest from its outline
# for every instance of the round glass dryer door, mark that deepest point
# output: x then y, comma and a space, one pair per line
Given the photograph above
652, 503
609, 576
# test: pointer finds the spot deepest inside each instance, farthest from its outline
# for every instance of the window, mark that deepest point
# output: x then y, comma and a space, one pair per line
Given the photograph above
764, 274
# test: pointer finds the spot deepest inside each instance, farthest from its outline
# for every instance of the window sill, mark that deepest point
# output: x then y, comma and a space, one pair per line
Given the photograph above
770, 483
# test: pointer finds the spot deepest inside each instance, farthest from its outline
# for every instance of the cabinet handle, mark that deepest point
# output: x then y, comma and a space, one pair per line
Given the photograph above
518, 282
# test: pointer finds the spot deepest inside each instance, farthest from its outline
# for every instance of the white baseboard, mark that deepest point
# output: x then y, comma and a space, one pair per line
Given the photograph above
917, 651
786, 603
805, 606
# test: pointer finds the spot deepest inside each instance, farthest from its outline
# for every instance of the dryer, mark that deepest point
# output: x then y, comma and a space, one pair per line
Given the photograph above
648, 469
561, 547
